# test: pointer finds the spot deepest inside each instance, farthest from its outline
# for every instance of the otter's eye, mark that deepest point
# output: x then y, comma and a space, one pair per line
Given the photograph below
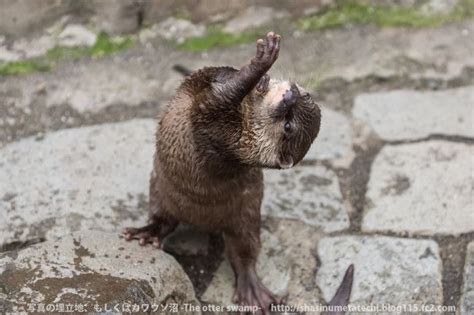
287, 126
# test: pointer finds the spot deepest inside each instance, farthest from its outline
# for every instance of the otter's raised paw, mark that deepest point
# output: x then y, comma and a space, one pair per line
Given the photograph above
267, 50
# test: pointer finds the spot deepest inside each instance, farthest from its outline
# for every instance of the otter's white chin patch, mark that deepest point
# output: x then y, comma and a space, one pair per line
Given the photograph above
276, 92
285, 164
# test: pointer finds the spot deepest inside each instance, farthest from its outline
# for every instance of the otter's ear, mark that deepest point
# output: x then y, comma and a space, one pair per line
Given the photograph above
306, 96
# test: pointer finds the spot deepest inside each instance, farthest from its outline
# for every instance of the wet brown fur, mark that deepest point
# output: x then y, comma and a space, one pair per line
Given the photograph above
196, 178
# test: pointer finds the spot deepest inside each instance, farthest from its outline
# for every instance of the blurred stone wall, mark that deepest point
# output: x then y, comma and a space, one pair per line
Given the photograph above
18, 17
124, 16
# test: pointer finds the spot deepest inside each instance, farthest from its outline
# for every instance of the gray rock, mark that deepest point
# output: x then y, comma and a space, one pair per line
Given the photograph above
386, 270
400, 115
253, 17
58, 26
467, 298
334, 141
76, 179
272, 267
86, 87
307, 193
8, 55
91, 268
176, 29
24, 48
35, 47
439, 6
434, 53
299, 241
76, 35
423, 188
22, 16
115, 17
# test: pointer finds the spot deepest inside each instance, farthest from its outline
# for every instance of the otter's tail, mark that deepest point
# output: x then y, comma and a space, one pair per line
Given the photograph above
343, 293
182, 69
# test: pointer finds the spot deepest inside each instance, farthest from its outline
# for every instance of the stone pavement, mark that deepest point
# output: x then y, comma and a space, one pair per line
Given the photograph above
105, 273
387, 186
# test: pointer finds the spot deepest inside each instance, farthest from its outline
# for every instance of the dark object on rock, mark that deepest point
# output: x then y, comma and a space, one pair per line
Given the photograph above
221, 128
343, 293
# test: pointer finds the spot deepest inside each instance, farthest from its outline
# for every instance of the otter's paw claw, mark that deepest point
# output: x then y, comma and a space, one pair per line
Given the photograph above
267, 50
145, 235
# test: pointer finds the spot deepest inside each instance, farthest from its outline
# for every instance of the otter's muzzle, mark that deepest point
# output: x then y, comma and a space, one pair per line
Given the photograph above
290, 96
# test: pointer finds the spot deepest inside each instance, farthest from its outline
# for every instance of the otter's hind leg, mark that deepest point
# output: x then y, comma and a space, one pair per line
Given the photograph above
242, 249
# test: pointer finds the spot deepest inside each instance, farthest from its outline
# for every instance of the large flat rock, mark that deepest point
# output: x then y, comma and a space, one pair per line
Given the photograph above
76, 179
91, 268
437, 52
386, 270
467, 298
253, 17
334, 141
404, 114
85, 88
299, 242
424, 188
307, 193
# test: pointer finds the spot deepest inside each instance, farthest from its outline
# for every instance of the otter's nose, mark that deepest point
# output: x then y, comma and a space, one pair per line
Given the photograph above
289, 97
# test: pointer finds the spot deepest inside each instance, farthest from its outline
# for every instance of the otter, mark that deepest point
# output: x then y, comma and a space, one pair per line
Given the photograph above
217, 133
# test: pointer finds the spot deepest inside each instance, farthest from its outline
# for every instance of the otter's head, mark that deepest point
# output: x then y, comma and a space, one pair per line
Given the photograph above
282, 120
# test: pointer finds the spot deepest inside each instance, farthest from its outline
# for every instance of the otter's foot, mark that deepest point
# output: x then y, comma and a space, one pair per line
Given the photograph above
267, 51
251, 292
153, 233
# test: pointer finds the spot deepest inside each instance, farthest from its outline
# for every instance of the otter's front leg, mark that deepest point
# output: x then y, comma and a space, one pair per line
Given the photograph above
153, 233
161, 223
240, 83
267, 54
242, 249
